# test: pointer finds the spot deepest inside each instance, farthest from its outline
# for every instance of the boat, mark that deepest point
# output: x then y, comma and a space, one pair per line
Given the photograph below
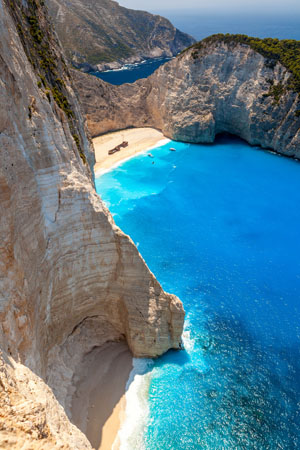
118, 148
172, 149
150, 154
114, 150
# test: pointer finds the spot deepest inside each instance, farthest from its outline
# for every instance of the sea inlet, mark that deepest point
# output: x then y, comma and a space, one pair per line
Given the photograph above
219, 226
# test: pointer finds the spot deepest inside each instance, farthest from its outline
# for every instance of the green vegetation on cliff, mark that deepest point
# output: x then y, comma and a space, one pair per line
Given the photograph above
102, 31
287, 52
36, 34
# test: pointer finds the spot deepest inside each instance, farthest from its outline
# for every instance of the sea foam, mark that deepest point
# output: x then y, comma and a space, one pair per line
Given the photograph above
131, 433
222, 233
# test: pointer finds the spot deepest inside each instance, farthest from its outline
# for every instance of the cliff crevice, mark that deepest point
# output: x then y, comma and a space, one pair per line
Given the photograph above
222, 85
69, 278
104, 35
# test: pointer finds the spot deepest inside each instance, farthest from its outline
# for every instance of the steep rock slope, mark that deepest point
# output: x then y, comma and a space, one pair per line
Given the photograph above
70, 280
104, 34
30, 416
219, 86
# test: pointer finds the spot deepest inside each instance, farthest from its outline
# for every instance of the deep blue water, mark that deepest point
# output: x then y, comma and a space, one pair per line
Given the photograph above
219, 226
131, 72
200, 25
255, 23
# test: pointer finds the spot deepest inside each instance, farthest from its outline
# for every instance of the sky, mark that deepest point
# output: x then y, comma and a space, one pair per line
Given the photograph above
272, 6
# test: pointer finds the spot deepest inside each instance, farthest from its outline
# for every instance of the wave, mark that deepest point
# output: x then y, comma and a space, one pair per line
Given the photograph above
131, 433
160, 143
137, 412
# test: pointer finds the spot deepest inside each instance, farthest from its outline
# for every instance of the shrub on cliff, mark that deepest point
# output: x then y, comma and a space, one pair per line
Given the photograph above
286, 51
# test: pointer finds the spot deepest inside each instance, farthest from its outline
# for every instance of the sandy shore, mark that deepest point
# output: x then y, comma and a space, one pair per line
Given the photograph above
99, 403
139, 139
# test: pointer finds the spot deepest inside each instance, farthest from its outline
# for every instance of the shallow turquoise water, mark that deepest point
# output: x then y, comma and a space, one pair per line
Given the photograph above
219, 226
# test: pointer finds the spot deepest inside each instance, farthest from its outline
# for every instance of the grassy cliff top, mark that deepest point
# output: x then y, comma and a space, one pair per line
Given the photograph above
287, 52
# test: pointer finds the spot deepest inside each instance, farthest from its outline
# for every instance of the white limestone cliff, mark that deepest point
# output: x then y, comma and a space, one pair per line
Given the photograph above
219, 88
70, 279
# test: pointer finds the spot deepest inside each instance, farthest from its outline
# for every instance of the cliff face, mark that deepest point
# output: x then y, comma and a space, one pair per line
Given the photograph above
103, 34
70, 279
221, 87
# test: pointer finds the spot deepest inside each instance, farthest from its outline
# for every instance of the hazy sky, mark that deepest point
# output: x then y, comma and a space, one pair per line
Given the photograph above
273, 6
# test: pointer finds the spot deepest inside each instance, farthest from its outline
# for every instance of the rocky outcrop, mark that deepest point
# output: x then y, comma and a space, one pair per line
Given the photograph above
30, 416
70, 280
103, 35
216, 88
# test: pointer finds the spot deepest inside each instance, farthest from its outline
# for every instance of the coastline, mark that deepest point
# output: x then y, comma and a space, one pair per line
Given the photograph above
139, 140
102, 391
98, 407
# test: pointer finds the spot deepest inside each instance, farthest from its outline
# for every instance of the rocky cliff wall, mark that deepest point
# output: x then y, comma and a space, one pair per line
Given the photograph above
70, 279
219, 88
102, 34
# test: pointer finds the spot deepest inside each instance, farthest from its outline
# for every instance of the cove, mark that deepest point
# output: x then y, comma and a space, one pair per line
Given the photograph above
218, 225
130, 73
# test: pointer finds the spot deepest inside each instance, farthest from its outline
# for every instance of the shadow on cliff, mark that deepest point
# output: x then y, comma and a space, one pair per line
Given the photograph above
100, 384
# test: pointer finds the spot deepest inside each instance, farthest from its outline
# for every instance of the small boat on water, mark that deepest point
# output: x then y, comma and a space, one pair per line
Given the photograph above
172, 149
150, 154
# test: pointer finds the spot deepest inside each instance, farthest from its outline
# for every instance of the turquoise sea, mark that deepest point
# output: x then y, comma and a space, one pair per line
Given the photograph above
219, 226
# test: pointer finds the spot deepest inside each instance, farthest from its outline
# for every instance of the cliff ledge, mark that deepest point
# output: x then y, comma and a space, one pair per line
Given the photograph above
225, 84
70, 279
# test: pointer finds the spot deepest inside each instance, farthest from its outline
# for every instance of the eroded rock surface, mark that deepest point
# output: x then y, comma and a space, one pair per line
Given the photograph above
70, 280
103, 35
30, 415
222, 88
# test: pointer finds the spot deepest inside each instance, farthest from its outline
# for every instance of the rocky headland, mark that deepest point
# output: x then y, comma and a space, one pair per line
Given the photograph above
225, 84
102, 35
70, 279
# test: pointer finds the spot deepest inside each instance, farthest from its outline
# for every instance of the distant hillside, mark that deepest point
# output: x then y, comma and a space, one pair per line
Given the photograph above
102, 33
